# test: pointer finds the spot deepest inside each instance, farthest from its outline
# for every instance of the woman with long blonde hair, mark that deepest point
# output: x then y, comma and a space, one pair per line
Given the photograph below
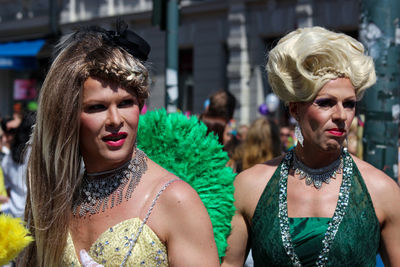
262, 143
124, 209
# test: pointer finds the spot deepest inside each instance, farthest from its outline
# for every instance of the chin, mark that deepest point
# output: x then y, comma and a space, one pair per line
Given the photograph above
117, 156
332, 147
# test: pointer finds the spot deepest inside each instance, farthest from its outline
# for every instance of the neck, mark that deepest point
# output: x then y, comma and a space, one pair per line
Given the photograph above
107, 172
92, 164
316, 158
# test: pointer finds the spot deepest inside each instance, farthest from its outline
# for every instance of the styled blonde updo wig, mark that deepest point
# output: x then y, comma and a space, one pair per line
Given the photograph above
304, 60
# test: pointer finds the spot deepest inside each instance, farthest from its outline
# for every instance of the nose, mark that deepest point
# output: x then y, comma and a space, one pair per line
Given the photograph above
114, 118
339, 113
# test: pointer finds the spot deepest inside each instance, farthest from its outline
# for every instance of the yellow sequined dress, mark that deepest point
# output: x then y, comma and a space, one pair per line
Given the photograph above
112, 246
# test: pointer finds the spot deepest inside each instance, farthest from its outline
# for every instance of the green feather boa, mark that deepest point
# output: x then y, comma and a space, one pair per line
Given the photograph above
181, 145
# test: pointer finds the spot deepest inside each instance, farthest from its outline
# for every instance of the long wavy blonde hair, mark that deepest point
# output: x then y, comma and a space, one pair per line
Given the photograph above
262, 143
55, 160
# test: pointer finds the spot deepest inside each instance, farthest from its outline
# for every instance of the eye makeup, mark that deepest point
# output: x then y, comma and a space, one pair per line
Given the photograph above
324, 102
329, 103
94, 108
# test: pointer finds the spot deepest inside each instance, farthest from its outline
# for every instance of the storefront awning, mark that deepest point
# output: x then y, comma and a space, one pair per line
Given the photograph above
20, 55
21, 49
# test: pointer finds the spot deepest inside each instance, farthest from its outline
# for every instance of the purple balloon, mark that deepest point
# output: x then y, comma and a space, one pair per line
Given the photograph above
263, 109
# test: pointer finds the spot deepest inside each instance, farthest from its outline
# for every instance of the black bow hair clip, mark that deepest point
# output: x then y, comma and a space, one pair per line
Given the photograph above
129, 40
122, 37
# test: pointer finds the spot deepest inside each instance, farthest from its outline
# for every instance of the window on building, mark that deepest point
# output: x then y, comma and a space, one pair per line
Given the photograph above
224, 63
185, 101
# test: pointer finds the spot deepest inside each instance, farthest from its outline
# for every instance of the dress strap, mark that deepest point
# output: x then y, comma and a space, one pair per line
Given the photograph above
133, 241
156, 198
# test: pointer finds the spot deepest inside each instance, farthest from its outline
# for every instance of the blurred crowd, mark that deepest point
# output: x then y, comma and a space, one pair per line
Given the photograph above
14, 151
246, 145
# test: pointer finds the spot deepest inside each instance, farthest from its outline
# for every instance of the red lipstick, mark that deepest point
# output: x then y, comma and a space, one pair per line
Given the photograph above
336, 131
115, 139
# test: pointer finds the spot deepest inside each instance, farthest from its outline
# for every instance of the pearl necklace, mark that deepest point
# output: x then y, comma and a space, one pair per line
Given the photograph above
96, 188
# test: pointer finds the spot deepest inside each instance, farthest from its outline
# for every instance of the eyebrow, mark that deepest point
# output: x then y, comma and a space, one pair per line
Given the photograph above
334, 97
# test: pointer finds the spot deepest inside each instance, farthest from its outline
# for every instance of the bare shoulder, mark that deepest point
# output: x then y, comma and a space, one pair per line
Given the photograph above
171, 191
384, 191
376, 180
178, 191
256, 175
175, 195
250, 184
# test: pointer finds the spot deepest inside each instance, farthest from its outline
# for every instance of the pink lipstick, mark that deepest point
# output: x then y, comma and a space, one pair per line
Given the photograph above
115, 140
336, 131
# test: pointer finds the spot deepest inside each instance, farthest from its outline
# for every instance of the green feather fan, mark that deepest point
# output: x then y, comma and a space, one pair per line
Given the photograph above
181, 145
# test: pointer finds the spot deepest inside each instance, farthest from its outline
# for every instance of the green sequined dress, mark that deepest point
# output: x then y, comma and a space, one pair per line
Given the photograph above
355, 244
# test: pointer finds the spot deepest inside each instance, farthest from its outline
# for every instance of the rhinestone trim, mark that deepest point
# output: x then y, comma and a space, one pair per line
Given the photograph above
134, 237
94, 194
317, 176
337, 218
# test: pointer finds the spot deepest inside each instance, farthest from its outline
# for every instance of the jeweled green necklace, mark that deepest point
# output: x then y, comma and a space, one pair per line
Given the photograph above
337, 218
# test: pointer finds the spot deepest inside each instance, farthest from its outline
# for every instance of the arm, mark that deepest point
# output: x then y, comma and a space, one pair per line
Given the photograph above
237, 241
190, 239
390, 230
385, 195
3, 199
249, 186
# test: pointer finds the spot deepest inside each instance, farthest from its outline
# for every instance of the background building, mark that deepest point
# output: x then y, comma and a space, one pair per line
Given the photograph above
223, 44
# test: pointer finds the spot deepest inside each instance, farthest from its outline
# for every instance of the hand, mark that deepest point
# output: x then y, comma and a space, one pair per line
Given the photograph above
87, 261
3, 199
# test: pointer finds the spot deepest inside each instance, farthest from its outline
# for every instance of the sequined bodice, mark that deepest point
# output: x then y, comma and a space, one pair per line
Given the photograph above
129, 243
355, 243
112, 245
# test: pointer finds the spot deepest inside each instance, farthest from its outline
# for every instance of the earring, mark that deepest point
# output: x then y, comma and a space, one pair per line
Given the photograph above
345, 148
298, 134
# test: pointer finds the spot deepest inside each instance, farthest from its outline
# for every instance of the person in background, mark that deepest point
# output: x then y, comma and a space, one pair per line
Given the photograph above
7, 136
285, 136
3, 191
123, 209
218, 117
217, 126
219, 113
14, 166
261, 144
2, 154
352, 138
225, 135
242, 132
317, 205
222, 105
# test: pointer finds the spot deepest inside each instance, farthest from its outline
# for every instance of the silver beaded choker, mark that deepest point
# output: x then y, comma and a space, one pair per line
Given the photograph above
94, 193
317, 176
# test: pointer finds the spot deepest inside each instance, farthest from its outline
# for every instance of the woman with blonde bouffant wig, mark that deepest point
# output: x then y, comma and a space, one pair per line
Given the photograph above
317, 205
